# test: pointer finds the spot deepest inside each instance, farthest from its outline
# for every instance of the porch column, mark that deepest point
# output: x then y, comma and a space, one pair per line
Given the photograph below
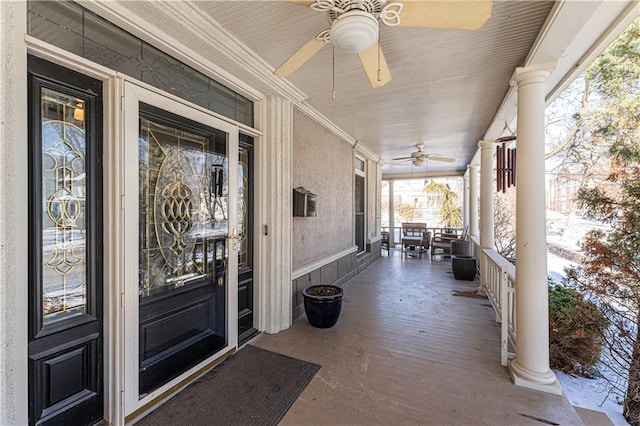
275, 295
392, 214
487, 150
465, 200
531, 366
474, 185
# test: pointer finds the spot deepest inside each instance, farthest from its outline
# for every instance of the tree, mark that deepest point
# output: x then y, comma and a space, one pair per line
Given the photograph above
576, 156
611, 272
449, 211
504, 229
405, 212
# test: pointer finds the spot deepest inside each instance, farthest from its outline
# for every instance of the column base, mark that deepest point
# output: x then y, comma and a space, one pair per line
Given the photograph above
545, 382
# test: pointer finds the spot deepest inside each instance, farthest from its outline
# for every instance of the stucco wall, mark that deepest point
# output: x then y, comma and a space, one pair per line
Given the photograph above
323, 164
13, 217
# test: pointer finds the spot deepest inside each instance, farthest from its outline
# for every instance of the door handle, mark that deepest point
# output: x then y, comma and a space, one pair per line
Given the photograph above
234, 239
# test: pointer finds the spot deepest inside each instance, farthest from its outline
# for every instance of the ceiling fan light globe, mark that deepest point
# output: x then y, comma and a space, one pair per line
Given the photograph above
418, 162
354, 31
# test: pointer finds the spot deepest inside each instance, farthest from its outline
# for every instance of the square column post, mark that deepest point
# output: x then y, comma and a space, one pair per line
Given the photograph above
465, 200
275, 300
487, 238
531, 366
474, 190
392, 214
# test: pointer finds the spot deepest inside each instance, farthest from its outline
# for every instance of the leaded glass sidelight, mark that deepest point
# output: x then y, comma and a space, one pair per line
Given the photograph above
64, 223
183, 206
244, 195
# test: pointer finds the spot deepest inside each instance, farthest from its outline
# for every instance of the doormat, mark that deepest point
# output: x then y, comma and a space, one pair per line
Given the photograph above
252, 387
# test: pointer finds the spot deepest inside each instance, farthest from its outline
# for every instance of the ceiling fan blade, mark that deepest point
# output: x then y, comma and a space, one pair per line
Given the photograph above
302, 2
445, 159
300, 56
452, 14
403, 158
378, 77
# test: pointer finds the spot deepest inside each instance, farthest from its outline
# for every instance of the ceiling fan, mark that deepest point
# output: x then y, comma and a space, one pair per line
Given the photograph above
355, 28
420, 158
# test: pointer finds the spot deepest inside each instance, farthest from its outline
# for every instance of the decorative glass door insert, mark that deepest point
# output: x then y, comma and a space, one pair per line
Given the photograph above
63, 202
183, 206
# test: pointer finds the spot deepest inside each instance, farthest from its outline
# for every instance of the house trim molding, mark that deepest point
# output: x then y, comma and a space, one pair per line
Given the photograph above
319, 263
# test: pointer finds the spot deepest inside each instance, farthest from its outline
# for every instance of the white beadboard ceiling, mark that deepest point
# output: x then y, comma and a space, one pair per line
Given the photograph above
447, 84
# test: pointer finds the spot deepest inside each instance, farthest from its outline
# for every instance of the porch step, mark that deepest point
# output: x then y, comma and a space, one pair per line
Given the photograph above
593, 418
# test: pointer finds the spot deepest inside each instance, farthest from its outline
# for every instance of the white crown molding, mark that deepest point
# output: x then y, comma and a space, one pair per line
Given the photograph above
336, 130
213, 34
207, 30
231, 49
365, 152
206, 27
249, 60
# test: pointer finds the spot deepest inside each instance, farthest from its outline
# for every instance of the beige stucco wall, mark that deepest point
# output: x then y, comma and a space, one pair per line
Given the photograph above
323, 164
13, 216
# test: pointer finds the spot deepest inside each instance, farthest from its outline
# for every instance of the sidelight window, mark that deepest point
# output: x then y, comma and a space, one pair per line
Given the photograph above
64, 222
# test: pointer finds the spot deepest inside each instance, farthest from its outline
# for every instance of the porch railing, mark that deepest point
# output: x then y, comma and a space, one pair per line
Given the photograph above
501, 291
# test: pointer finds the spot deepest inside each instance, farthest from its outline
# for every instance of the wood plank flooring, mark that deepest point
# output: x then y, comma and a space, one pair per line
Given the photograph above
406, 351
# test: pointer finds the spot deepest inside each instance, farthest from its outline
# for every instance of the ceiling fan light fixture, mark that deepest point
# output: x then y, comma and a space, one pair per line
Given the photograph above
419, 161
354, 31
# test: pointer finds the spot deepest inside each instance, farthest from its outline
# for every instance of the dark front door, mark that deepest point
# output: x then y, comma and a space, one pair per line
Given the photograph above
65, 246
183, 253
245, 246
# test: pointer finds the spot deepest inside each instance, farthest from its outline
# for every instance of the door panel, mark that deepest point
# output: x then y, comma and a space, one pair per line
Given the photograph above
65, 246
179, 177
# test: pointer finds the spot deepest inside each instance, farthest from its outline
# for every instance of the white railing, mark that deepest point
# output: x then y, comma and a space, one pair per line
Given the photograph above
501, 291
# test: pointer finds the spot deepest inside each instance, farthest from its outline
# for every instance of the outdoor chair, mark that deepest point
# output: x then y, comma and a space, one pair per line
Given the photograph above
413, 236
441, 243
384, 245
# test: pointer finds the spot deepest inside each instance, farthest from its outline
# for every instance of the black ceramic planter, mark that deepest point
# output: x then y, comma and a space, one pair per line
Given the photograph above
464, 267
322, 310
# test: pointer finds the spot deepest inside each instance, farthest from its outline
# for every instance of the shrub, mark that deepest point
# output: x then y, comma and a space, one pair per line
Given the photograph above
576, 328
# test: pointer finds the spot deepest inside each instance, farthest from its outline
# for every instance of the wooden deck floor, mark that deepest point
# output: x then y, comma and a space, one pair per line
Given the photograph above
407, 351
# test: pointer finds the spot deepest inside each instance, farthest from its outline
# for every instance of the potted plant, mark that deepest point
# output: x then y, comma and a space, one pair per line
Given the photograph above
322, 304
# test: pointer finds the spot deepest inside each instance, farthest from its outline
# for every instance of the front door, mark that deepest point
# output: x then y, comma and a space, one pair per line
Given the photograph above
180, 181
65, 246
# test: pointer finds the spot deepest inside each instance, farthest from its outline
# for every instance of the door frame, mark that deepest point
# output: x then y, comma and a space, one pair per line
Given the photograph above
133, 94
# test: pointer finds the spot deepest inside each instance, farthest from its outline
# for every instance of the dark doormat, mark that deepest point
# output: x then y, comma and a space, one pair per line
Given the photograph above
252, 387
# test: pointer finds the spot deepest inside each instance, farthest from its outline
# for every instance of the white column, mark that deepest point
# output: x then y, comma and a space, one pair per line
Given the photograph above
487, 240
275, 293
465, 201
13, 220
474, 188
392, 215
531, 367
